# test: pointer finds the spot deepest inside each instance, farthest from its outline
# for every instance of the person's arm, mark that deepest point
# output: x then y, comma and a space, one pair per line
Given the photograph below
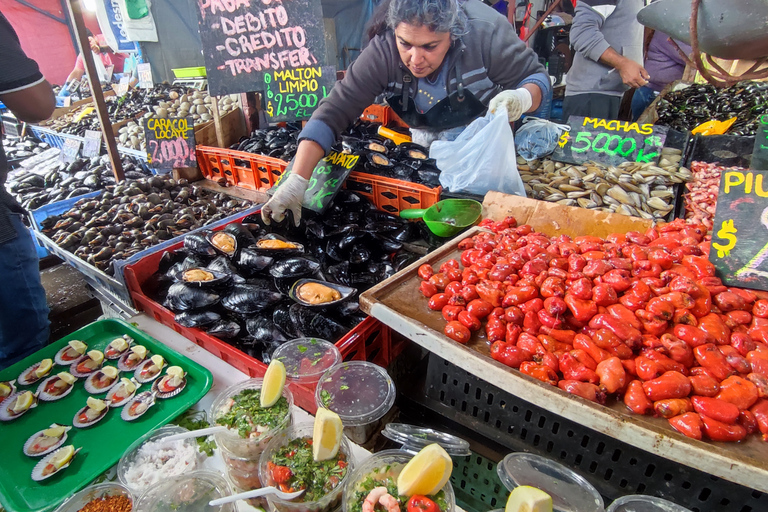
32, 104
632, 73
76, 74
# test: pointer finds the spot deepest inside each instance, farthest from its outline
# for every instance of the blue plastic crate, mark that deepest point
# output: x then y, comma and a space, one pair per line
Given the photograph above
57, 208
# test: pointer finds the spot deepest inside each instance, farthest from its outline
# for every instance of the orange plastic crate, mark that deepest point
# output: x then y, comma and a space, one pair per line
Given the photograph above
392, 195
239, 168
382, 114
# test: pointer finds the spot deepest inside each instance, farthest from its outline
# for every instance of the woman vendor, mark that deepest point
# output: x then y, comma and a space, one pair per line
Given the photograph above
441, 64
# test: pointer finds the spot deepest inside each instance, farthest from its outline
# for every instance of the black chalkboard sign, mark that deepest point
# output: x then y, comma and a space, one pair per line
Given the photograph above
244, 39
70, 150
760, 151
170, 142
609, 142
739, 248
293, 94
326, 180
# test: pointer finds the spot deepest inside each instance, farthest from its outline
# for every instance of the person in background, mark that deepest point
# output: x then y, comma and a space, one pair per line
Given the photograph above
608, 41
108, 58
665, 65
441, 64
24, 325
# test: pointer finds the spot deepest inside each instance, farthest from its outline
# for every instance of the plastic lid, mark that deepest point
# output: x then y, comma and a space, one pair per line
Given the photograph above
415, 438
358, 391
306, 359
570, 491
191, 491
641, 503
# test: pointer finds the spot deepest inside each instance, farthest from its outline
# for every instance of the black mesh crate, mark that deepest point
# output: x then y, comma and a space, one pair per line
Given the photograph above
613, 467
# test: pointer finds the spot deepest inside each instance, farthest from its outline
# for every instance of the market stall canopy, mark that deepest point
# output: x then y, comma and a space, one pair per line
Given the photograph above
728, 29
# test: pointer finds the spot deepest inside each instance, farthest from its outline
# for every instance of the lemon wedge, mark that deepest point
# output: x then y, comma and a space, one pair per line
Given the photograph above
66, 377
140, 351
272, 386
127, 385
326, 435
96, 356
109, 372
54, 431
426, 473
62, 456
158, 361
119, 344
96, 404
528, 499
23, 402
5, 390
44, 367
78, 346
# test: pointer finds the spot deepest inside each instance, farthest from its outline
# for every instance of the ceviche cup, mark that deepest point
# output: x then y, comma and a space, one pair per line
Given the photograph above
93, 492
382, 469
327, 502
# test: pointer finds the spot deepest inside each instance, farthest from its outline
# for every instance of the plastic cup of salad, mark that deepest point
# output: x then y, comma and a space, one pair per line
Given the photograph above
361, 393
323, 481
306, 359
382, 470
570, 491
95, 492
190, 492
641, 503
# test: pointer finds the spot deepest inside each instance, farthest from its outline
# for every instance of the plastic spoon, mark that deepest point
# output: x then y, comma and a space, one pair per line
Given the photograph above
255, 494
196, 433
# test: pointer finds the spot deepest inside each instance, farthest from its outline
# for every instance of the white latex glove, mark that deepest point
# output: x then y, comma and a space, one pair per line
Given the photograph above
288, 196
516, 103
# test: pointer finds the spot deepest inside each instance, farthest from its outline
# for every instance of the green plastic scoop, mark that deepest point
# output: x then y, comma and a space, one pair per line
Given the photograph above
446, 218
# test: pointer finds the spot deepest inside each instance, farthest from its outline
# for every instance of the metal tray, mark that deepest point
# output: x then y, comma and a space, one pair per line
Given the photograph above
398, 304
102, 444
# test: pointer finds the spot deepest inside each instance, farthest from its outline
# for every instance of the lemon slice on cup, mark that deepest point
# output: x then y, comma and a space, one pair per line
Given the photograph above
272, 386
326, 435
426, 473
528, 499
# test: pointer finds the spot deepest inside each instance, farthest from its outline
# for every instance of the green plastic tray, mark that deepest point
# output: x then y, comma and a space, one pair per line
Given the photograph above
195, 72
102, 444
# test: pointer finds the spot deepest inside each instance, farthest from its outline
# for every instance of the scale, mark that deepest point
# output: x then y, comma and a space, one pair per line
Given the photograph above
201, 84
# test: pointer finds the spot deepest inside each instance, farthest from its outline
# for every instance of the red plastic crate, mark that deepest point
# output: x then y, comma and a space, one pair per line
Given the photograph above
240, 168
392, 195
370, 340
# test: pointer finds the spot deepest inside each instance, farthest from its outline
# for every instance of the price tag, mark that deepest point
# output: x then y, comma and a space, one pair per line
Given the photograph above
739, 248
145, 75
609, 142
170, 142
760, 151
92, 144
68, 101
294, 94
70, 150
122, 88
326, 180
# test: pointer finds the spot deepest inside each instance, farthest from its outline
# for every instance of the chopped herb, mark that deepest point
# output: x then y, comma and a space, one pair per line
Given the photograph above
317, 478
195, 420
325, 397
246, 413
302, 348
343, 387
313, 341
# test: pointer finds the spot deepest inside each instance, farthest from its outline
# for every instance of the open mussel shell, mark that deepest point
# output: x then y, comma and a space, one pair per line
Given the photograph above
91, 383
223, 242
29, 446
150, 375
64, 356
112, 353
138, 406
77, 369
28, 377
378, 160
294, 267
162, 391
85, 424
375, 146
11, 385
345, 292
413, 151
48, 397
125, 365
202, 277
272, 245
37, 471
113, 402
6, 414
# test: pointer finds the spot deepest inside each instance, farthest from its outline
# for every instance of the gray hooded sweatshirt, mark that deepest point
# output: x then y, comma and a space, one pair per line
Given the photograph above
598, 25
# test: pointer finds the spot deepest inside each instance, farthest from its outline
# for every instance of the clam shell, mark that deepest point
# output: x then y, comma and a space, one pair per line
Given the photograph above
93, 389
33, 437
113, 354
80, 374
11, 384
79, 424
168, 394
6, 414
37, 471
137, 372
111, 394
345, 291
59, 357
124, 366
147, 397
28, 377
47, 397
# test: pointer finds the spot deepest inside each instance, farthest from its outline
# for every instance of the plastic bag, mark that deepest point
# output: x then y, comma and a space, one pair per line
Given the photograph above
538, 138
482, 158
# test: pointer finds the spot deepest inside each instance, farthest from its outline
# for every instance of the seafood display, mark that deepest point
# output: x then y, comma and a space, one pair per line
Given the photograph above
131, 359
118, 347
149, 369
171, 384
639, 317
56, 387
16, 405
54, 462
138, 406
244, 414
686, 108
637, 190
102, 380
275, 142
88, 363
20, 148
136, 215
35, 372
701, 198
157, 459
93, 412
73, 351
121, 392
45, 441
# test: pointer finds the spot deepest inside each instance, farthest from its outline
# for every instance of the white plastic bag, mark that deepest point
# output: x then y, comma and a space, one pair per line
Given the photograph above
481, 159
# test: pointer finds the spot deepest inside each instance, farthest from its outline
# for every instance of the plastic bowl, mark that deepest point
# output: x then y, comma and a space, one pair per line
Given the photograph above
306, 359
76, 502
396, 459
187, 493
248, 448
641, 503
328, 502
132, 453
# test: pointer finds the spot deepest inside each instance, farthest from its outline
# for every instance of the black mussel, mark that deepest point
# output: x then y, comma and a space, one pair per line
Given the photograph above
412, 151
183, 297
404, 258
354, 238
203, 277
269, 349
404, 233
320, 294
402, 172
348, 308
342, 229
382, 227
359, 254
387, 244
224, 329
197, 318
339, 273
225, 243
242, 233
260, 328
281, 317
198, 244
248, 299
316, 323
315, 229
251, 261
274, 246
380, 216
428, 177
223, 265
375, 146
349, 201
294, 267
169, 259
283, 285
265, 283
377, 161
